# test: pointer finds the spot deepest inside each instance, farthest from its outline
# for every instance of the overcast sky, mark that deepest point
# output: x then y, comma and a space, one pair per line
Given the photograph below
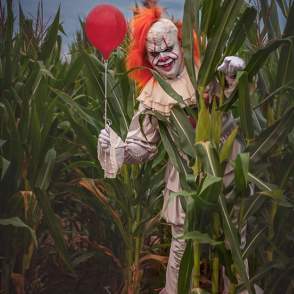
71, 10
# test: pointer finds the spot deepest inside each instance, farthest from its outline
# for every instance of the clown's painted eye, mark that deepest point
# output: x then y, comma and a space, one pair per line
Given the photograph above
154, 53
169, 49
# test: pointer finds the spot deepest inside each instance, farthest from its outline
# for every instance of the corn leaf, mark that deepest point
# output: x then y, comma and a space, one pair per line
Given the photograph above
186, 267
53, 224
50, 38
203, 125
18, 223
209, 158
227, 147
252, 244
229, 11
272, 137
45, 174
184, 130
242, 27
178, 162
241, 172
285, 71
232, 238
202, 238
188, 38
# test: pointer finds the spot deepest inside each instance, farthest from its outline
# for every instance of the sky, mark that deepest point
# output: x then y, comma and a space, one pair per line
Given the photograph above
72, 10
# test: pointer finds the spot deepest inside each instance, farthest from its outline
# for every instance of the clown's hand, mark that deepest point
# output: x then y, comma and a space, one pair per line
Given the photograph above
104, 139
231, 65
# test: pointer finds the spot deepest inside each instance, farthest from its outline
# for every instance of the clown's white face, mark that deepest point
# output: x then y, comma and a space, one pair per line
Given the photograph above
163, 49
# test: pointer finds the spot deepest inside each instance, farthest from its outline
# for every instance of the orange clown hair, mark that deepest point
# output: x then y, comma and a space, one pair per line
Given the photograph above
143, 20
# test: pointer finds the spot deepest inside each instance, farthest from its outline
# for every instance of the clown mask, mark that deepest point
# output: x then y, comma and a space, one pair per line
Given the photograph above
163, 49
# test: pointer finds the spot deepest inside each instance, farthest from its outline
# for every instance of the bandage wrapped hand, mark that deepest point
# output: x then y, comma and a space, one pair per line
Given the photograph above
231, 65
110, 151
104, 139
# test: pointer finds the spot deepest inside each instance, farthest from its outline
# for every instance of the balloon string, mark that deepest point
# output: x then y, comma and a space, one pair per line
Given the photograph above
105, 92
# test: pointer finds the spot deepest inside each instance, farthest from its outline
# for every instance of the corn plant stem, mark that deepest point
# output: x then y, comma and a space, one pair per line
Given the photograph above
196, 272
232, 288
271, 232
138, 237
201, 98
215, 260
215, 274
286, 175
137, 252
129, 259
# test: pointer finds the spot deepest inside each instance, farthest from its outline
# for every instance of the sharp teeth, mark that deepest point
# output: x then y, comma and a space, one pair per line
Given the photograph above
165, 63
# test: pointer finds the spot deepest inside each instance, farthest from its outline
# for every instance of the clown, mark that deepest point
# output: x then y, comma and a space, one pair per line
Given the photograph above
156, 43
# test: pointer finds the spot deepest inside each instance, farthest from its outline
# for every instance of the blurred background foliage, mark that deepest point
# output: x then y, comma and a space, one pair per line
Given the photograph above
64, 228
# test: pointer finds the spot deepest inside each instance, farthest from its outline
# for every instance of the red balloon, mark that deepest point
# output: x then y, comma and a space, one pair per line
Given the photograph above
106, 28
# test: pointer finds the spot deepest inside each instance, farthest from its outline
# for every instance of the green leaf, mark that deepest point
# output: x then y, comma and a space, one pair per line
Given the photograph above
93, 70
255, 63
254, 205
167, 87
259, 183
229, 10
210, 188
258, 59
186, 267
188, 38
35, 132
71, 106
74, 69
50, 38
4, 166
203, 125
278, 196
252, 244
202, 238
208, 157
184, 130
231, 237
283, 6
174, 156
241, 172
227, 147
18, 223
285, 88
8, 44
209, 17
285, 71
272, 137
45, 175
245, 107
216, 124
54, 225
270, 19
242, 27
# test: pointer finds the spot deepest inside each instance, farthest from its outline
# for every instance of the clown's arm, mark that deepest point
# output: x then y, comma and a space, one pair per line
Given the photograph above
230, 66
139, 146
141, 141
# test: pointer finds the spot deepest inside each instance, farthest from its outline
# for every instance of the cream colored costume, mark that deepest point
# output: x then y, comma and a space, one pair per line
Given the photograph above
139, 147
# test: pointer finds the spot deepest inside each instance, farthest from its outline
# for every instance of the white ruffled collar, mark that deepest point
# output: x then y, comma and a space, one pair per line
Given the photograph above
155, 98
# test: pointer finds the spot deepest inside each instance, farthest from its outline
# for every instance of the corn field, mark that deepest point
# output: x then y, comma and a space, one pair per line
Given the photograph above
64, 228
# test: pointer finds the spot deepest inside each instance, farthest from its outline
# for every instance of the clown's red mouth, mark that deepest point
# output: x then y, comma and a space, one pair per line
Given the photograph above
166, 65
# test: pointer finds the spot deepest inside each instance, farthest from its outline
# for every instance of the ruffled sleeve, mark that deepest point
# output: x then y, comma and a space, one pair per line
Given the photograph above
139, 146
142, 139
